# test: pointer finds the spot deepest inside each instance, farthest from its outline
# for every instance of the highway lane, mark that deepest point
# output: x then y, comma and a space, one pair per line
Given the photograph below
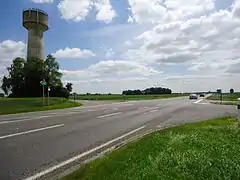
34, 142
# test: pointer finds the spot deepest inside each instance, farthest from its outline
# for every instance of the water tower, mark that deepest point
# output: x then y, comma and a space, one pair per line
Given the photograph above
36, 22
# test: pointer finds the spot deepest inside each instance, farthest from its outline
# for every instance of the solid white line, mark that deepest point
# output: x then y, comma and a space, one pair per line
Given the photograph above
31, 131
53, 168
198, 101
107, 115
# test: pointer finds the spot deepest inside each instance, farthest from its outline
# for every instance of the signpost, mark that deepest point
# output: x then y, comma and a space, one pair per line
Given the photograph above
74, 96
219, 91
48, 95
124, 97
43, 83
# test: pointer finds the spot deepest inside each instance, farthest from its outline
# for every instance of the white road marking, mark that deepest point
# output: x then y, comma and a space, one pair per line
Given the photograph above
74, 112
14, 121
64, 163
203, 103
107, 115
155, 110
198, 101
31, 131
160, 126
26, 119
115, 108
129, 104
40, 117
141, 108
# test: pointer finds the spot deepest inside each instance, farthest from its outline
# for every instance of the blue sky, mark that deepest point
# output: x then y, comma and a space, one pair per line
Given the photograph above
112, 45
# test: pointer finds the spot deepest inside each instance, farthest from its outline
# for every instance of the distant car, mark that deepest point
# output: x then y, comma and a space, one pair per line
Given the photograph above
201, 95
193, 96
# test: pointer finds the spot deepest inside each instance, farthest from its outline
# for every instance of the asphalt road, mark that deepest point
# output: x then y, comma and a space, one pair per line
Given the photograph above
45, 141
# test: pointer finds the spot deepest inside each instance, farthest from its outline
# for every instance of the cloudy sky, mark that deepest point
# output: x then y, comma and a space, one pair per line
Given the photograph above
113, 45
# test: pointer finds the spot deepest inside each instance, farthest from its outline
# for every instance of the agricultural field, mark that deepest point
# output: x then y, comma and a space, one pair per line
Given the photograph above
117, 97
225, 96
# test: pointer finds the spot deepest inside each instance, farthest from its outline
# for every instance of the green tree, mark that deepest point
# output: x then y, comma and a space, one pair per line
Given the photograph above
6, 85
69, 87
51, 71
24, 78
16, 77
34, 73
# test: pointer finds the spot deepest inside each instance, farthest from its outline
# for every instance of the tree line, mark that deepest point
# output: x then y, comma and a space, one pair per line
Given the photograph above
152, 90
24, 76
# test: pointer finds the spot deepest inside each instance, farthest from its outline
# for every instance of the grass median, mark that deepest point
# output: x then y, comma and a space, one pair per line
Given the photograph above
204, 150
19, 105
118, 97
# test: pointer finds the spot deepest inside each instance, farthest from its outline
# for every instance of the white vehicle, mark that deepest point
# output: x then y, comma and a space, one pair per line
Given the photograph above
193, 96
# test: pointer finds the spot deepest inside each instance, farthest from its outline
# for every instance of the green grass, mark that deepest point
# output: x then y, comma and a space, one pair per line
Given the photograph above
225, 97
18, 105
225, 103
205, 150
128, 97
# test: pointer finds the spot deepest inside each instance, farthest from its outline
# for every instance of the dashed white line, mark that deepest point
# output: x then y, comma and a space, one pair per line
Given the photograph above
31, 131
155, 110
107, 115
14, 121
129, 104
40, 117
141, 108
64, 163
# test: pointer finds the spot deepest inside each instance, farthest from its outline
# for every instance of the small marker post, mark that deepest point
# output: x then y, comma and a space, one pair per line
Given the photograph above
238, 111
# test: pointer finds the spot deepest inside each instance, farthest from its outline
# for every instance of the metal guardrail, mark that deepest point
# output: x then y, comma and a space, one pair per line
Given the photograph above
35, 9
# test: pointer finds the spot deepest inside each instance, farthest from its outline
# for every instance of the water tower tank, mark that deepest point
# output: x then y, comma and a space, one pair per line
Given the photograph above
36, 22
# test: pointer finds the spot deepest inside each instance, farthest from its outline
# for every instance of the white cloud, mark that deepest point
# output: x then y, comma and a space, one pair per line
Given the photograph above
9, 50
156, 11
185, 83
206, 37
105, 11
42, 1
73, 53
236, 9
122, 67
198, 39
105, 70
109, 53
78, 10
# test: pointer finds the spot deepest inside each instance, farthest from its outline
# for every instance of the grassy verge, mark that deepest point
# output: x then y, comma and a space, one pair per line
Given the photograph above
205, 150
225, 103
128, 97
225, 97
18, 105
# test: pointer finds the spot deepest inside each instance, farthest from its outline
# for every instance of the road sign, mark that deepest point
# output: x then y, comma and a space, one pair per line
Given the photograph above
44, 83
219, 91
